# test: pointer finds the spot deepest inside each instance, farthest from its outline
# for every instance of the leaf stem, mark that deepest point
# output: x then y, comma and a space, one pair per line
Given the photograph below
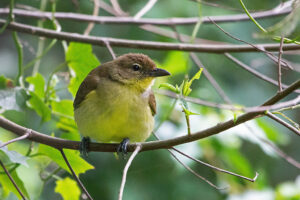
252, 19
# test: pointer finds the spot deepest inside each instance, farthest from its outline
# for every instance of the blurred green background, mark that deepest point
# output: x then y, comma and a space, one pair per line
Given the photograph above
153, 174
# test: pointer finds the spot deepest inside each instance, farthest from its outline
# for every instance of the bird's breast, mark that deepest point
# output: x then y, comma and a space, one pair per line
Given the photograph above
113, 112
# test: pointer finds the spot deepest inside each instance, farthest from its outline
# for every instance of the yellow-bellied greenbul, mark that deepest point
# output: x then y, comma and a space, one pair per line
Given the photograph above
115, 100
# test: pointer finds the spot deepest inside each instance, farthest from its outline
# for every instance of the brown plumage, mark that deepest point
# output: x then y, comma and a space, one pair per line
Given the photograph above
118, 93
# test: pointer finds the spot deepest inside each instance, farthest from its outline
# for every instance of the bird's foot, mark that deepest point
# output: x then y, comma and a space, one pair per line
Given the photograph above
122, 148
84, 146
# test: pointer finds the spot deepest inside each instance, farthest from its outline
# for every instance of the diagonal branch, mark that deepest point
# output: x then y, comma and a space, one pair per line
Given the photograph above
146, 146
280, 121
216, 168
12, 180
22, 137
145, 9
74, 174
254, 72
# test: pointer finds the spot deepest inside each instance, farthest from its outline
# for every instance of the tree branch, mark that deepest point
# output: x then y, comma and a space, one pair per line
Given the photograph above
280, 121
146, 146
132, 20
141, 44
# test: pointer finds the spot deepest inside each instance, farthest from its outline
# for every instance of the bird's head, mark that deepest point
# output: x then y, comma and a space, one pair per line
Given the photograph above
135, 70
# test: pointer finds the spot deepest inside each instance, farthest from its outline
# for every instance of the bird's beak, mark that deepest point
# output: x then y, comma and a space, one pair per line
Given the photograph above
159, 72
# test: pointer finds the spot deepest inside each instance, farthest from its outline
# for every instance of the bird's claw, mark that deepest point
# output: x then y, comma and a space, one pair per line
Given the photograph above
122, 148
84, 146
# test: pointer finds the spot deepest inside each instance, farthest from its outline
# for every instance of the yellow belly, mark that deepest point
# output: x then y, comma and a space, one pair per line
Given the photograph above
110, 114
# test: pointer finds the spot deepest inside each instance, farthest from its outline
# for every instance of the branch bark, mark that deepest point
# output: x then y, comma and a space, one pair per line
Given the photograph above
141, 44
132, 20
146, 146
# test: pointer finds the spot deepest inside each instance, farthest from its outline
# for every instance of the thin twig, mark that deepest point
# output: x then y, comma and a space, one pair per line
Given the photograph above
135, 152
74, 174
145, 9
216, 168
12, 180
287, 105
254, 72
117, 7
209, 77
279, 64
141, 44
173, 155
26, 135
195, 173
92, 24
111, 51
131, 20
280, 153
272, 56
287, 125
252, 19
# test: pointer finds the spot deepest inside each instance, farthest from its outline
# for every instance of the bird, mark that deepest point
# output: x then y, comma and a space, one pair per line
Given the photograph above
115, 102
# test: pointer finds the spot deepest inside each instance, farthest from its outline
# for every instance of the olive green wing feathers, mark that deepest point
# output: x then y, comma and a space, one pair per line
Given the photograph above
152, 103
89, 84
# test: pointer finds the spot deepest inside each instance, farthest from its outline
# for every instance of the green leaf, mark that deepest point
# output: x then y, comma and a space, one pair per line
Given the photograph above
81, 60
176, 62
37, 84
78, 164
5, 82
188, 112
64, 107
40, 107
237, 161
170, 87
68, 189
271, 132
14, 156
187, 84
9, 187
235, 117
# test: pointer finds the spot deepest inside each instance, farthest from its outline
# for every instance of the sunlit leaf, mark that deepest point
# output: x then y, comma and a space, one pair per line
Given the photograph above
64, 107
37, 82
188, 112
187, 84
78, 164
170, 87
40, 107
176, 62
81, 60
68, 189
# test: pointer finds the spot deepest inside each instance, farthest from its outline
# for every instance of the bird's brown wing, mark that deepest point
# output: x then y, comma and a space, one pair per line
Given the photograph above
152, 103
89, 84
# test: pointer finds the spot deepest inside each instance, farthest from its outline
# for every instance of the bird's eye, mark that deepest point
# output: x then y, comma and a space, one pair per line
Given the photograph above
136, 67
